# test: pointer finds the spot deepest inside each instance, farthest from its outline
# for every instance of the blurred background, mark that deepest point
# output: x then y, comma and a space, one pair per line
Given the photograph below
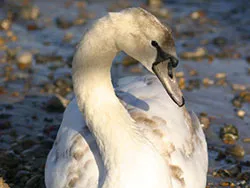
37, 42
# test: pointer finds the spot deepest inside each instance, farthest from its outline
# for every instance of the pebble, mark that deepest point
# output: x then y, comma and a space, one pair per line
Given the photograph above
5, 24
24, 60
47, 58
79, 21
198, 53
15, 94
68, 37
207, 82
11, 52
245, 96
197, 14
239, 87
2, 41
204, 119
182, 83
229, 134
154, 3
3, 184
241, 113
30, 12
193, 84
236, 150
237, 102
221, 75
193, 72
246, 140
179, 74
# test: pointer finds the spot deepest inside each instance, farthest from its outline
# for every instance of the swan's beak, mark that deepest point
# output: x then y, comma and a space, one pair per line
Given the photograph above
166, 74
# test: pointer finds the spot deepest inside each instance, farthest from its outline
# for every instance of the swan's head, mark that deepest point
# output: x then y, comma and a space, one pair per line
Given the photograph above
142, 36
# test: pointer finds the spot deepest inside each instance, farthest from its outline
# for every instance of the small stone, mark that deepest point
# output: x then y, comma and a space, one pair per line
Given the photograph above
24, 60
193, 84
220, 75
238, 87
30, 12
68, 37
229, 134
79, 21
207, 82
2, 41
11, 52
33, 25
198, 53
246, 140
197, 14
15, 94
204, 120
241, 113
14, 38
221, 82
5, 24
3, 184
182, 83
154, 3
237, 102
193, 72
236, 150
227, 184
47, 58
245, 96
179, 74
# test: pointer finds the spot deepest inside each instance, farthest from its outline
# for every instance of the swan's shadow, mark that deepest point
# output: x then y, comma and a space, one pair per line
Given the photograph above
132, 100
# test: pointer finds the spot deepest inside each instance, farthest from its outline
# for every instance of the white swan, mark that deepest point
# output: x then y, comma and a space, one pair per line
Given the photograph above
138, 136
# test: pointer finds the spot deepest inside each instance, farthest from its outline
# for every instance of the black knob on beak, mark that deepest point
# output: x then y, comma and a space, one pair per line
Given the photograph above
174, 61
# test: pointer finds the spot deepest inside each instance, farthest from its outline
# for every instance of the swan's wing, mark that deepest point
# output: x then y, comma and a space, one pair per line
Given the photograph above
71, 162
175, 133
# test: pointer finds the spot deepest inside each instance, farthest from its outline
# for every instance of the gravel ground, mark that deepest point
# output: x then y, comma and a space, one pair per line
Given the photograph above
37, 42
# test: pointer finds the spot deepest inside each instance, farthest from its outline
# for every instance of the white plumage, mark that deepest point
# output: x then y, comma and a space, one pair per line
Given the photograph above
134, 137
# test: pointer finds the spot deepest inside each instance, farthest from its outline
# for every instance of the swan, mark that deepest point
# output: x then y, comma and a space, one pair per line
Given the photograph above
138, 135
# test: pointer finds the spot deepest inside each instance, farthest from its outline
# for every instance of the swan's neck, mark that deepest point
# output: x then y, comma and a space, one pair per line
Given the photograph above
106, 118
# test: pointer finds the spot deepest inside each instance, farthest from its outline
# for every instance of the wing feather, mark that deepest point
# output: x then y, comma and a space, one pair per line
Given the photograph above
177, 135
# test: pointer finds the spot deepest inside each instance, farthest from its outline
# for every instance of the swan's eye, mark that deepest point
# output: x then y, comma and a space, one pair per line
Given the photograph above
154, 43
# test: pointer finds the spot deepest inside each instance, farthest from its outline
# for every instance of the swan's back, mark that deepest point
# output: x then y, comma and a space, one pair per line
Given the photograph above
75, 161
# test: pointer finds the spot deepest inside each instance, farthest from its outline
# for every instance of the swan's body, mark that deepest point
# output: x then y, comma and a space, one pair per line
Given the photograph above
135, 137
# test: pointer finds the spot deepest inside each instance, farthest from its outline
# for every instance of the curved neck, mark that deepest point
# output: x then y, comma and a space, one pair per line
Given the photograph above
106, 118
